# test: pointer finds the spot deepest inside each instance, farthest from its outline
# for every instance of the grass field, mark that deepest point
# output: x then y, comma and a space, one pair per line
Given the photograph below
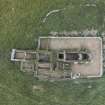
20, 26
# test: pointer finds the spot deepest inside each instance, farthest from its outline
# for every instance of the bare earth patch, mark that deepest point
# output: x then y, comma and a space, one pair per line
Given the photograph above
37, 88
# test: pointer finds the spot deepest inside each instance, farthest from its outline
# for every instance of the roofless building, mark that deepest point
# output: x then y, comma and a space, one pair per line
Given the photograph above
60, 58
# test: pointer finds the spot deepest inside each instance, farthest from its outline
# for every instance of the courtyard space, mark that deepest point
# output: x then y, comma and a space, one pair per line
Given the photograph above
92, 44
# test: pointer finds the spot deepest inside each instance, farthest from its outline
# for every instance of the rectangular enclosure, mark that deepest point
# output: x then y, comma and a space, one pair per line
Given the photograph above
22, 55
92, 67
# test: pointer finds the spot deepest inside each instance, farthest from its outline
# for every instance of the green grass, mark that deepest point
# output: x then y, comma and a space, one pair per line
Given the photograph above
20, 26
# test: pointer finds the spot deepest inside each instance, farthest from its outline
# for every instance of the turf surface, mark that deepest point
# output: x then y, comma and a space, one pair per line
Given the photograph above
20, 26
